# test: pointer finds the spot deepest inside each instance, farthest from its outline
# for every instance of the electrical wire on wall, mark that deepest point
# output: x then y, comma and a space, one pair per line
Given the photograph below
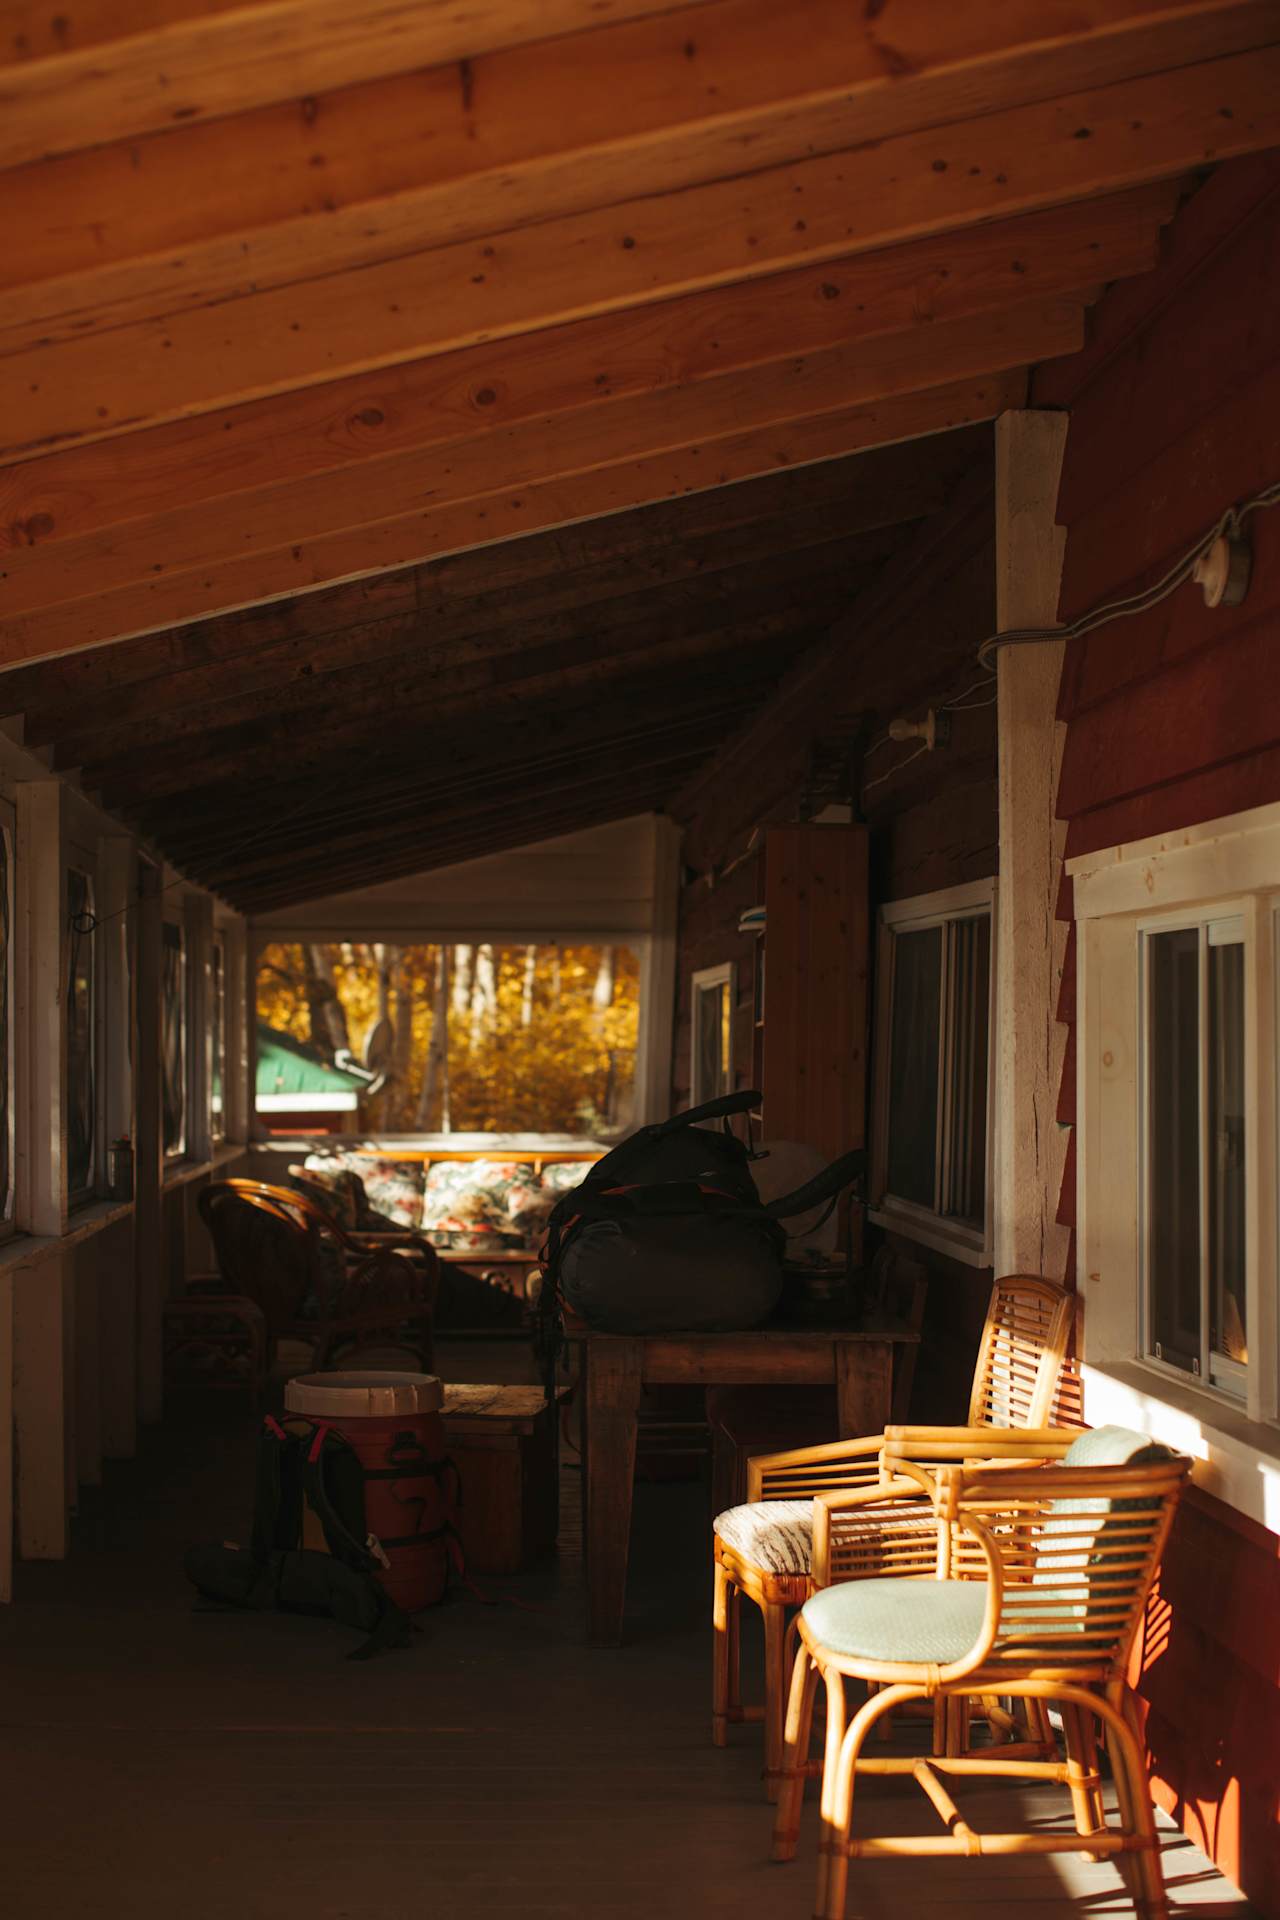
1219, 560
1227, 571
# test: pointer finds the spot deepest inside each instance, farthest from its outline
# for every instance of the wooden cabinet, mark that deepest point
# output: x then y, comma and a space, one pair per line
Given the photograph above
809, 998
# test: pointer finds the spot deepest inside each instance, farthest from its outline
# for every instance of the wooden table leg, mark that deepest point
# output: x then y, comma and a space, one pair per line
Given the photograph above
613, 1366
864, 1386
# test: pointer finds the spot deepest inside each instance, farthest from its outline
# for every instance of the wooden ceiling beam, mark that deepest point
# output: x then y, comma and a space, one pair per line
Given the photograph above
422, 719
608, 800
884, 487
573, 466
312, 186
579, 644
434, 643
421, 408
376, 796
524, 279
81, 80
299, 793
434, 818
210, 208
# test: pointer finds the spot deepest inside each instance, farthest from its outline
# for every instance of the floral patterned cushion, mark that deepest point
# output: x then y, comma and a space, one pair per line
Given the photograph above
335, 1189
478, 1204
391, 1189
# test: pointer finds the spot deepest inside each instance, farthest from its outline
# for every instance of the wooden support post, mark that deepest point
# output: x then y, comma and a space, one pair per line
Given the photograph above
84, 1274
149, 1147
43, 1396
1030, 1147
7, 1462
118, 1340
40, 1401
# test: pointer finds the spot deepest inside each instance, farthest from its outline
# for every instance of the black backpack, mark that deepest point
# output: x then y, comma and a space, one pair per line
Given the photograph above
668, 1232
297, 1462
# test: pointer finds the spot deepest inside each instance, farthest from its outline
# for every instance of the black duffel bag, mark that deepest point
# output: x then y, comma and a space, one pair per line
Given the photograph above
668, 1232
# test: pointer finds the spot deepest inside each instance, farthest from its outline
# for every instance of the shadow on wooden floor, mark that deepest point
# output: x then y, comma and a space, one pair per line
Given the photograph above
156, 1761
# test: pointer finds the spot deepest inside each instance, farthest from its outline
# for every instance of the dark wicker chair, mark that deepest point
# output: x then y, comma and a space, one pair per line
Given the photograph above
313, 1281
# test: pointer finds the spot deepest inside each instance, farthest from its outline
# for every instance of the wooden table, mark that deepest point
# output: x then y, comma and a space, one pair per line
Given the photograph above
857, 1361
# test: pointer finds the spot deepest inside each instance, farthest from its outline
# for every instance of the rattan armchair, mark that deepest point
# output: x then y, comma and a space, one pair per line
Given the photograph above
763, 1549
313, 1281
1029, 1583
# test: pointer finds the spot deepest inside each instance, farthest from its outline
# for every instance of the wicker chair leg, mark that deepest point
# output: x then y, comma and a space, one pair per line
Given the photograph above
723, 1609
833, 1877
795, 1755
1126, 1747
1082, 1774
775, 1694
837, 1720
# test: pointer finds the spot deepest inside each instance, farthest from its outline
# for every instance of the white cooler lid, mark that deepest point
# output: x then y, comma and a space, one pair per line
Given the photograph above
368, 1396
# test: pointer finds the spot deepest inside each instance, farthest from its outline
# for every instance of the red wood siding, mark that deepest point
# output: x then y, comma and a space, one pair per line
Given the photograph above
1173, 719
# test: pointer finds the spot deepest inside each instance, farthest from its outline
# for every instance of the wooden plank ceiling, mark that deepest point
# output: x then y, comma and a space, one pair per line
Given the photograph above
374, 377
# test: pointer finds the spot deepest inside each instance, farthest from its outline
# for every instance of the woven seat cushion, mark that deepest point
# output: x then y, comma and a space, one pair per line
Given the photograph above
775, 1535
923, 1621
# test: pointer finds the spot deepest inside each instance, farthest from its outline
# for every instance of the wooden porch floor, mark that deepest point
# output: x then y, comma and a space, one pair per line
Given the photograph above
157, 1761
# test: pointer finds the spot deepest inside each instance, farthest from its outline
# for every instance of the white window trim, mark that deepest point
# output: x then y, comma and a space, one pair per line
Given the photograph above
1228, 866
971, 1246
724, 975
82, 855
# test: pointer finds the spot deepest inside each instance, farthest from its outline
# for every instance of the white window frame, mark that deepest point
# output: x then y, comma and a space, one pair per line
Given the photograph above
725, 975
82, 858
972, 1245
1226, 868
178, 1156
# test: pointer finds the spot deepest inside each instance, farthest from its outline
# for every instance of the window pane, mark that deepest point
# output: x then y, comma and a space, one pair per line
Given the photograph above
218, 1023
80, 1061
713, 1021
1228, 1329
1173, 1106
966, 1197
913, 1066
173, 1060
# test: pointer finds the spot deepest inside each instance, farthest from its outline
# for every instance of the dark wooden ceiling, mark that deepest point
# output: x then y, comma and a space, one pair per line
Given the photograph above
491, 698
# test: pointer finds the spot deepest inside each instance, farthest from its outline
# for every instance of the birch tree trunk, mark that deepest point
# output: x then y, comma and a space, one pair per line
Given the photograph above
464, 960
327, 1015
530, 979
484, 995
435, 1077
602, 992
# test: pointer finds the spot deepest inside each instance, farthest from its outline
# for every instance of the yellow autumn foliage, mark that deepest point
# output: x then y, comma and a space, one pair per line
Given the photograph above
540, 1039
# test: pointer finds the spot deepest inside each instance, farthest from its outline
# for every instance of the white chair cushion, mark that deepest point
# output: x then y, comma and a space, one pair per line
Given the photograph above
775, 1535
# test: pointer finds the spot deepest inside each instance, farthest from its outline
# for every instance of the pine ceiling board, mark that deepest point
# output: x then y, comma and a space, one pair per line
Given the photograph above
509, 787
191, 541
210, 210
507, 515
293, 438
100, 70
303, 811
375, 670
266, 757
777, 512
544, 678
649, 249
511, 824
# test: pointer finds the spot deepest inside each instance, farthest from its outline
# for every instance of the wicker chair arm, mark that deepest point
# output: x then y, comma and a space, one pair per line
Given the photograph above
805, 1471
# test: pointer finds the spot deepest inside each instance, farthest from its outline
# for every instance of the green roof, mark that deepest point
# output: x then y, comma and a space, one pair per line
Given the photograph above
286, 1065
